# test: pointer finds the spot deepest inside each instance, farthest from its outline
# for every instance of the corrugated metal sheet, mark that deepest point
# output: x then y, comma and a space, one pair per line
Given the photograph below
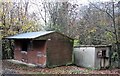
93, 46
30, 35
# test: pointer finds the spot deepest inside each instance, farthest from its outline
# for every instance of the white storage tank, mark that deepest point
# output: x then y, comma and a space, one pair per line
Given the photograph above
92, 56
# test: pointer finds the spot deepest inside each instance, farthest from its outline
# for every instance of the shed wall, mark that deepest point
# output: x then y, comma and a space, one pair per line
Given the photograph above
84, 56
31, 55
59, 50
99, 61
17, 50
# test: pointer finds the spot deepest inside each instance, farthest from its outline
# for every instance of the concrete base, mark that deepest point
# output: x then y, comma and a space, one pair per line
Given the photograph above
20, 62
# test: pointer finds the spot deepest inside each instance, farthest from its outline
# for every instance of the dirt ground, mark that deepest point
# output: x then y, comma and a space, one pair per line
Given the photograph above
11, 68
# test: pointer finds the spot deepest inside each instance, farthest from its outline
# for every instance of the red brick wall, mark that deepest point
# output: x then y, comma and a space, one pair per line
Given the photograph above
17, 50
31, 56
38, 46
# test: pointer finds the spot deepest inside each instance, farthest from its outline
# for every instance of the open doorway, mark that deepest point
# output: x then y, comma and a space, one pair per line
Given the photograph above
24, 49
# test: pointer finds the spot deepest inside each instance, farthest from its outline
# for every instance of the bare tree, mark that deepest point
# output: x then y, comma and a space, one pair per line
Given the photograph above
110, 11
14, 19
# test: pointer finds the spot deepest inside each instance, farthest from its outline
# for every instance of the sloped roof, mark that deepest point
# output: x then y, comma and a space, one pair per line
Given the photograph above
30, 35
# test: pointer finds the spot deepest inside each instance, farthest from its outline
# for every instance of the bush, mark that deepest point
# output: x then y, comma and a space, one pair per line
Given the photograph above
7, 49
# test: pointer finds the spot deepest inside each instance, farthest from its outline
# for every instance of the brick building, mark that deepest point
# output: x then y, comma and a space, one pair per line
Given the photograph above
43, 48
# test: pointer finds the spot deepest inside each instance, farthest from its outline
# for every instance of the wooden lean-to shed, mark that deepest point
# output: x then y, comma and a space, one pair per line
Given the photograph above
43, 48
92, 56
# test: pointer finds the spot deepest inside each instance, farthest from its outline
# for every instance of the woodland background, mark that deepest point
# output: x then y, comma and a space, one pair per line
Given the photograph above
95, 23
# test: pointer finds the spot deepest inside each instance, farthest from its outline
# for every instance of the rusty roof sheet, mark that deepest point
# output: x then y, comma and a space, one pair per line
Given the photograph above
30, 35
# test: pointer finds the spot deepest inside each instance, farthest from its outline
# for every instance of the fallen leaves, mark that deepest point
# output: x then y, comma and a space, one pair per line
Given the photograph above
21, 69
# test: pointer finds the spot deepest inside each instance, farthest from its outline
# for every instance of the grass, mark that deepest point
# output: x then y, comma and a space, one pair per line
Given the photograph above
76, 42
76, 72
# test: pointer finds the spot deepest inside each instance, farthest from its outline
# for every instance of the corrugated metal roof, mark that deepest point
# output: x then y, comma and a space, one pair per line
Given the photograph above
30, 35
93, 46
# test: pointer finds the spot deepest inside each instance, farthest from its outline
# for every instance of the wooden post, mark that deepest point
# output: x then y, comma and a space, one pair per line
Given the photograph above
118, 43
0, 52
0, 45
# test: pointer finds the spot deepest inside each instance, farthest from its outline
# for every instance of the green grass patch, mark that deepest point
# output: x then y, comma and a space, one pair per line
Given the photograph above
76, 43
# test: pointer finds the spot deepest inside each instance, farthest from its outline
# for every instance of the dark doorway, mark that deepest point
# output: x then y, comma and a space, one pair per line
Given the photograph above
25, 44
